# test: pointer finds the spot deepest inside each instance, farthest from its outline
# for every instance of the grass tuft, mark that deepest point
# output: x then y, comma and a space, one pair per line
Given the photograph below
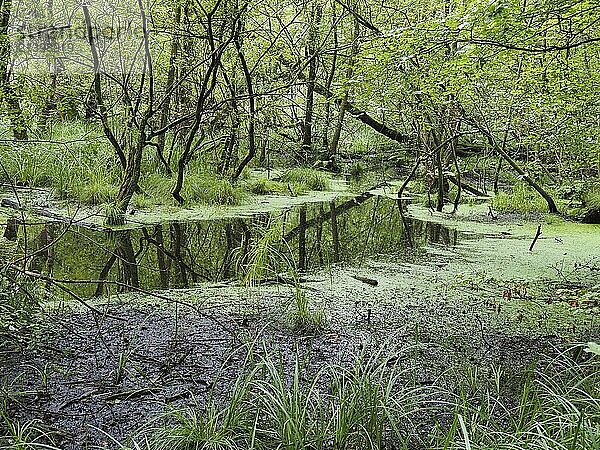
263, 186
522, 200
305, 179
302, 319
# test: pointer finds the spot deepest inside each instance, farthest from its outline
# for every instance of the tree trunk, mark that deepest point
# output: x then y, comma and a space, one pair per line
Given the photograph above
7, 93
552, 209
311, 53
164, 114
251, 104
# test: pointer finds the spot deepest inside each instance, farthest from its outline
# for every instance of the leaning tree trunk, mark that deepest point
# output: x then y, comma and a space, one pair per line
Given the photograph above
539, 189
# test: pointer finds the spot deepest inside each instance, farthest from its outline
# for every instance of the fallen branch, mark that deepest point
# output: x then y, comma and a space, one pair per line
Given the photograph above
7, 203
325, 216
467, 187
366, 280
538, 233
129, 394
364, 117
65, 289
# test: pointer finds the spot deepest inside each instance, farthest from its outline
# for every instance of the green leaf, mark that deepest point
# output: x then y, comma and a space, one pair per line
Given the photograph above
593, 347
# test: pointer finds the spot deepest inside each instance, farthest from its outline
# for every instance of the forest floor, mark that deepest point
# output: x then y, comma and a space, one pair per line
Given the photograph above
486, 302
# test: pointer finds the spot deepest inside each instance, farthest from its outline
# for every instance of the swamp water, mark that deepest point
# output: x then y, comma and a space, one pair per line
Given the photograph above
318, 236
184, 253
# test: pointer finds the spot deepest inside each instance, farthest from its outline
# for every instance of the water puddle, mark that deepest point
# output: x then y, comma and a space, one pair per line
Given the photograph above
274, 239
178, 254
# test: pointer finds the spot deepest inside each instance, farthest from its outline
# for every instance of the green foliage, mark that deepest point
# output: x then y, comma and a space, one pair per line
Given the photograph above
209, 429
522, 199
294, 406
357, 169
264, 186
303, 320
19, 308
199, 189
590, 194
264, 256
95, 192
27, 436
81, 168
305, 179
372, 405
558, 407
112, 214
593, 348
211, 190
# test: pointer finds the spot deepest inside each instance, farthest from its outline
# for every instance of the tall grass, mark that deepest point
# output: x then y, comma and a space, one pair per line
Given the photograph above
522, 199
283, 401
293, 405
556, 406
374, 404
305, 179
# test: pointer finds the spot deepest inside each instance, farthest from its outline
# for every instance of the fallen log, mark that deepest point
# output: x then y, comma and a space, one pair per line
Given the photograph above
467, 187
369, 281
44, 212
591, 216
364, 117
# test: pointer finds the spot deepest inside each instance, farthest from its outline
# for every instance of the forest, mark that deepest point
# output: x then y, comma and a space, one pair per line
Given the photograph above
325, 225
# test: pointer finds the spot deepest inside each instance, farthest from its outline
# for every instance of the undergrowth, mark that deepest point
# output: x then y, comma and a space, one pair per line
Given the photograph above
305, 179
377, 404
522, 200
87, 171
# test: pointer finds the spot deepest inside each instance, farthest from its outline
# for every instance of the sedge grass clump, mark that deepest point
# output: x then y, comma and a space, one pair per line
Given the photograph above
156, 190
96, 192
264, 186
197, 428
19, 309
292, 413
304, 179
304, 320
522, 200
15, 435
208, 189
556, 406
357, 169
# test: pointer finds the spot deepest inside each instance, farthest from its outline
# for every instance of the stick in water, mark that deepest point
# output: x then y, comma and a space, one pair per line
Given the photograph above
538, 233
